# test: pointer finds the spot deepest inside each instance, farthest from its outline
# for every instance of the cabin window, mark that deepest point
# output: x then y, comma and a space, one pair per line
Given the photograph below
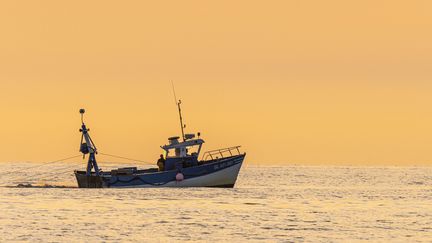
193, 150
184, 152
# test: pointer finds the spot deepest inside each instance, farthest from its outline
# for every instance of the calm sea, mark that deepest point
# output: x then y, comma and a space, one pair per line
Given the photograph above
269, 204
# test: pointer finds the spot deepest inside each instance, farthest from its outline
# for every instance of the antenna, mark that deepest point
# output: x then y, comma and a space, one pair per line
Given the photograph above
82, 111
175, 96
178, 103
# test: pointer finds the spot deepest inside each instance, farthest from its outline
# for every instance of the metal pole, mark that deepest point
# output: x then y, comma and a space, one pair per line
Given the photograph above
181, 120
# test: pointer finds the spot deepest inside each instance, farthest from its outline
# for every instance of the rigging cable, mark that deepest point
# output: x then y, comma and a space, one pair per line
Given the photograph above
121, 157
37, 166
62, 171
44, 174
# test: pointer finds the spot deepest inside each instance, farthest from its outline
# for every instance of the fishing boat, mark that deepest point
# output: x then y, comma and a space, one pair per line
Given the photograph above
180, 166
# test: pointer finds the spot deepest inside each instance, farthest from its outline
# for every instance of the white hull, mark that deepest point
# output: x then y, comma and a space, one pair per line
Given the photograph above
220, 178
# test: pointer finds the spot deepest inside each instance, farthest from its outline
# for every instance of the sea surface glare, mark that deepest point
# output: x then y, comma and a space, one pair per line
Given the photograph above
271, 204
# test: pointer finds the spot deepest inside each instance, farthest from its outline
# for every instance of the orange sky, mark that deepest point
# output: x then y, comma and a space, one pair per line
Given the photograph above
295, 82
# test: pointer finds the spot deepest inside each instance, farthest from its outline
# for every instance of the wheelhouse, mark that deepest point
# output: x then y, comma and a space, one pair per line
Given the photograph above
182, 154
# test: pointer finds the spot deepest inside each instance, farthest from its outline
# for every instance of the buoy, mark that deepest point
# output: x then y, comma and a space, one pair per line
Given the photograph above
179, 177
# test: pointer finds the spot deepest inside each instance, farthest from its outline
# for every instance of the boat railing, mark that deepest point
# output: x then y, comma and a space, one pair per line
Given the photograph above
221, 153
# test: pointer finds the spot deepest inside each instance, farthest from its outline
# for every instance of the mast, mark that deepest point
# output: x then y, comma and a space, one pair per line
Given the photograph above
178, 103
181, 120
88, 147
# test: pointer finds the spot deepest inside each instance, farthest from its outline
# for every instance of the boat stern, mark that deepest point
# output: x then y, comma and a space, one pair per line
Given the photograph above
88, 181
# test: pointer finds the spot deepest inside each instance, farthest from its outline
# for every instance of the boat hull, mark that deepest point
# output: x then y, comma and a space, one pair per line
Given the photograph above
218, 173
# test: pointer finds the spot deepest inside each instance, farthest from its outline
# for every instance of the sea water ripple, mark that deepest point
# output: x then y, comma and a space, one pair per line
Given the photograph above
269, 203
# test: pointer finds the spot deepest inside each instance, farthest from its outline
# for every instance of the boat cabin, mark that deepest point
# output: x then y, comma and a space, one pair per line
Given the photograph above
182, 154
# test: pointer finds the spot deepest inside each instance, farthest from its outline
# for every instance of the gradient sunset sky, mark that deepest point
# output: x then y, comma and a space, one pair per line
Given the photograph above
294, 82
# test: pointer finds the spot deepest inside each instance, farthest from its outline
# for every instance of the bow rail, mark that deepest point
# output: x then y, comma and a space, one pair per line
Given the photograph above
223, 153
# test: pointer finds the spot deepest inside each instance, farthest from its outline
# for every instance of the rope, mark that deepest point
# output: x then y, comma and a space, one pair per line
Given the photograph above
127, 163
37, 166
121, 157
60, 170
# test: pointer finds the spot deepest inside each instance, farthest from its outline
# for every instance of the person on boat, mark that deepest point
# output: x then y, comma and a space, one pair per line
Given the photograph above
161, 163
177, 152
